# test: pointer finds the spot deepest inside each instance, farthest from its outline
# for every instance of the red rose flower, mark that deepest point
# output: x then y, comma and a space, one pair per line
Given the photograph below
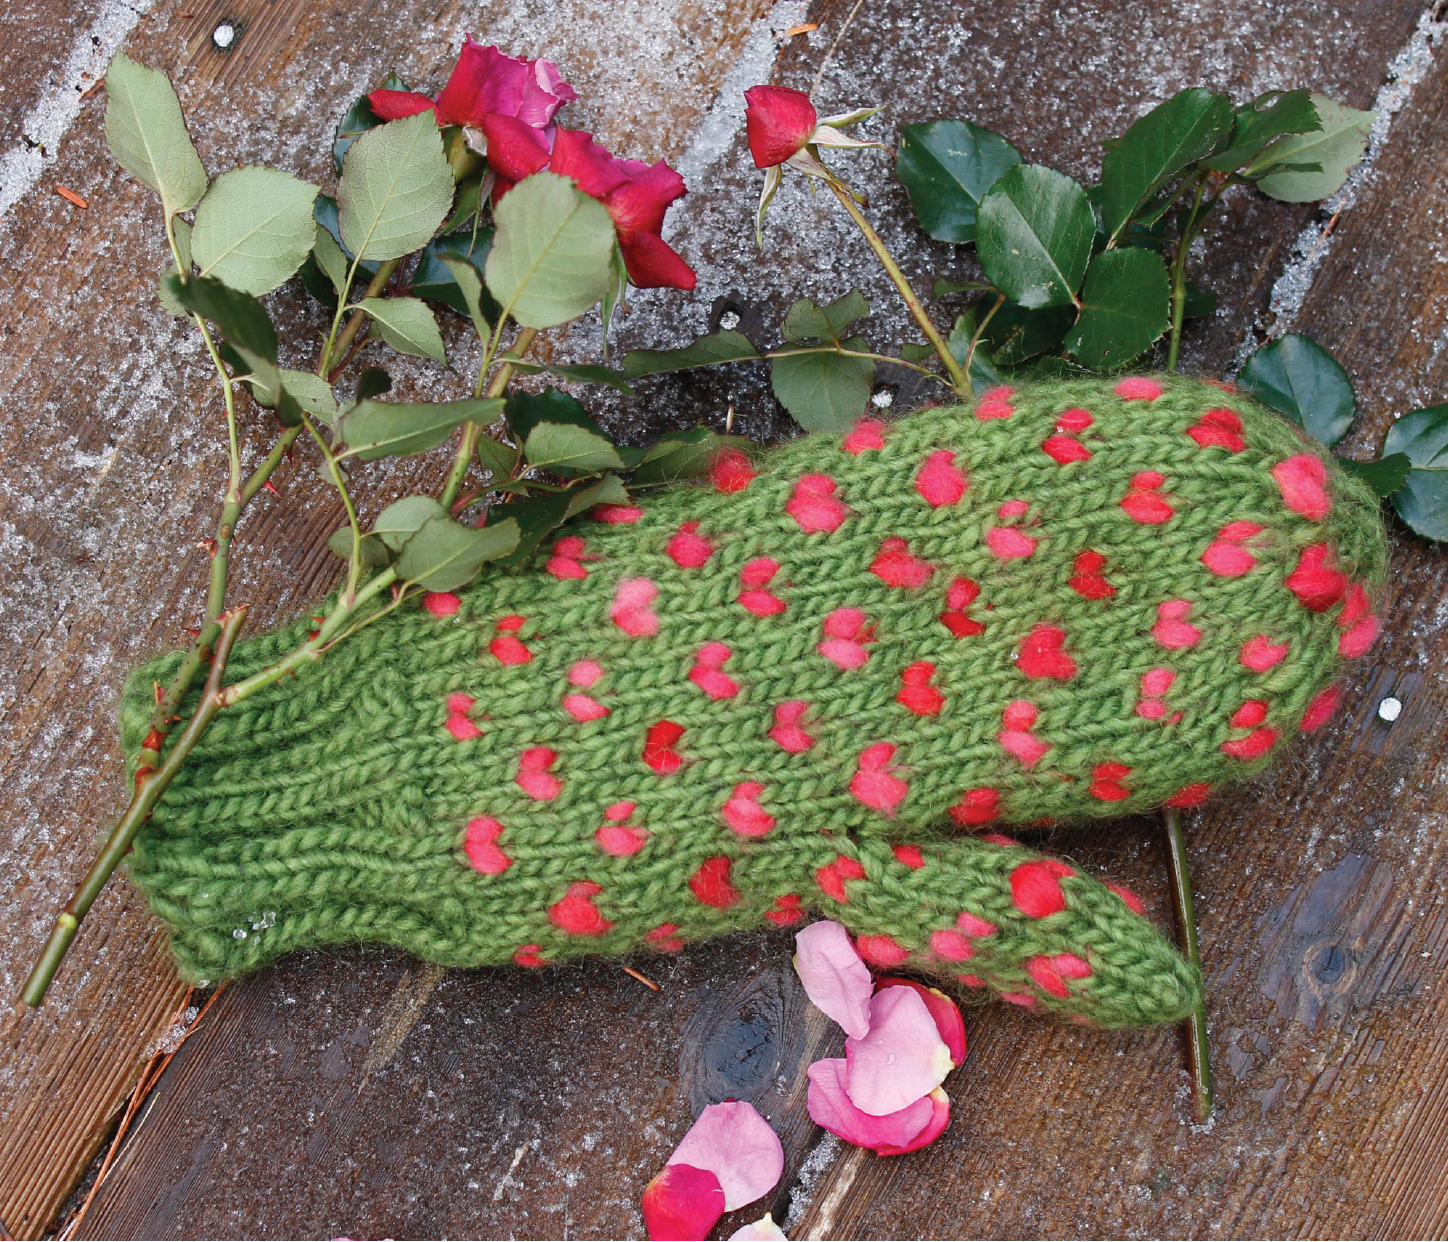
484, 83
636, 194
784, 128
779, 122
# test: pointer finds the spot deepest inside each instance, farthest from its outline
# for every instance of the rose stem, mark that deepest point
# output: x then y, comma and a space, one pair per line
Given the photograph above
1195, 1027
148, 792
958, 376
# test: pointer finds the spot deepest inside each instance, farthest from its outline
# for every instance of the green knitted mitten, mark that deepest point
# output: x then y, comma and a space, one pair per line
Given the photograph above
780, 692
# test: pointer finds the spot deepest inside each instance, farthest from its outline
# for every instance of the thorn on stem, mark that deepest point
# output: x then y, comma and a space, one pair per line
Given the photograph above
271, 487
209, 545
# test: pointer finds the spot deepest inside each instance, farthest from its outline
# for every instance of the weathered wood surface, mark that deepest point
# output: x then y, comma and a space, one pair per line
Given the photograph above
359, 1094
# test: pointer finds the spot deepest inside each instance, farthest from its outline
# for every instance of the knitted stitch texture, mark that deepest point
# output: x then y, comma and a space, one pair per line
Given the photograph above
779, 692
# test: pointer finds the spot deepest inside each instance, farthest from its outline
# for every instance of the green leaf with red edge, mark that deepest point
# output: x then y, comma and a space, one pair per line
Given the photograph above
499, 459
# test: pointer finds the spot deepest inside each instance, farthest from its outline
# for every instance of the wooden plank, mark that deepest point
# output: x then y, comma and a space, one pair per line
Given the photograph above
109, 480
1324, 931
568, 1089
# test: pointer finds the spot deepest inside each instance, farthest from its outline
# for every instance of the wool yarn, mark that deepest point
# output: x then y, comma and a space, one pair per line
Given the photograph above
796, 687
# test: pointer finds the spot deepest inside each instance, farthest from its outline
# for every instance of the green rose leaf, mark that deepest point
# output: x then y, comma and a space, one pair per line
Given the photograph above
311, 392
525, 410
437, 275
707, 351
1422, 501
1256, 123
569, 448
407, 325
1015, 333
984, 374
947, 167
1200, 303
678, 455
497, 458
239, 315
1335, 148
1302, 382
264, 378
374, 551
1384, 476
823, 390
1187, 127
806, 321
182, 231
395, 189
534, 516
254, 228
330, 259
468, 282
1034, 236
1125, 306
358, 119
443, 554
552, 255
147, 134
608, 490
583, 373
373, 429
403, 518
373, 382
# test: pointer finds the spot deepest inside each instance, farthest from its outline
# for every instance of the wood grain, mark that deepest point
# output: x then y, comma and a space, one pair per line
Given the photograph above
359, 1094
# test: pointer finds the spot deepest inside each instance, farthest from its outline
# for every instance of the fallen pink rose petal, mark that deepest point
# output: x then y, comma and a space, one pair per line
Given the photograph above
934, 1128
901, 1058
835, 978
762, 1230
944, 1010
682, 1204
734, 1143
830, 1106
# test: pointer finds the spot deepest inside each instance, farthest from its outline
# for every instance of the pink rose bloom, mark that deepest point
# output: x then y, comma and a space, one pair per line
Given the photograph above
485, 82
636, 194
